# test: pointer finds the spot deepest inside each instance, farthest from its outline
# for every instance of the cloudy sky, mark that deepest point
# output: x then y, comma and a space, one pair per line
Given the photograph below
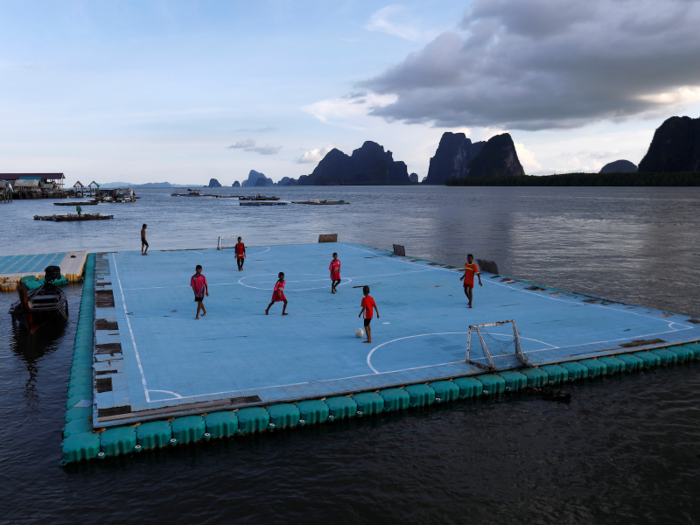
182, 91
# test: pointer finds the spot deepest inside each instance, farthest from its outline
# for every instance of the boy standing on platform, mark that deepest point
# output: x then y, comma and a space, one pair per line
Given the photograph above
240, 254
278, 295
200, 288
470, 268
368, 306
335, 273
144, 243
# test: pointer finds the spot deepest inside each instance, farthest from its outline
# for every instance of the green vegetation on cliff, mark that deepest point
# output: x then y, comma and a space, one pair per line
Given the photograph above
679, 178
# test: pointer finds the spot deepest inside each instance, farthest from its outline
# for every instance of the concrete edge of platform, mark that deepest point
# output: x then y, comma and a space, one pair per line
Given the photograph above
204, 421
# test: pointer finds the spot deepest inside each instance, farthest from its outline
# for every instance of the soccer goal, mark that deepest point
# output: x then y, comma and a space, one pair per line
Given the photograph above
492, 347
226, 242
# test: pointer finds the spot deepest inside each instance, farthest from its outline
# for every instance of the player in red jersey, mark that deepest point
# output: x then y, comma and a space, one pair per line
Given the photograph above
278, 295
200, 287
368, 306
335, 273
240, 254
470, 268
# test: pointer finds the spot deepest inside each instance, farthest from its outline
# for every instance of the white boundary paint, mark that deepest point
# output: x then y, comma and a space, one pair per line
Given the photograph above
269, 287
174, 394
131, 332
369, 355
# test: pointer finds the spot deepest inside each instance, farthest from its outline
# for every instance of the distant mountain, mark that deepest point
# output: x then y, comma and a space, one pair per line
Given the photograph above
497, 158
369, 164
458, 157
253, 177
619, 166
675, 147
413, 177
213, 183
455, 152
236, 184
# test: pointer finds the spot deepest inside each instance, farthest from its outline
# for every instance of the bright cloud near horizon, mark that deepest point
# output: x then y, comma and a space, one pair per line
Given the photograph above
183, 91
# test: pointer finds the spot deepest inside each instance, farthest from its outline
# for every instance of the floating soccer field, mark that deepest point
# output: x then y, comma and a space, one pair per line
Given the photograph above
153, 360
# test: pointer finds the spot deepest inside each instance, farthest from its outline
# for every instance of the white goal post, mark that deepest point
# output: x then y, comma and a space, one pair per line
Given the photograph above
224, 243
495, 351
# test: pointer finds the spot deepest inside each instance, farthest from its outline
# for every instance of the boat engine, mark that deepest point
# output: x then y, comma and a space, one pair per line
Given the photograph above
53, 273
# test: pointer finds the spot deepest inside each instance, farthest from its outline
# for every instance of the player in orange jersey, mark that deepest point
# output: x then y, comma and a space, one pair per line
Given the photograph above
470, 268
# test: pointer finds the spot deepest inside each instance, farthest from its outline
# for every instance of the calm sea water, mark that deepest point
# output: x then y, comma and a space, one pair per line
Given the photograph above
625, 450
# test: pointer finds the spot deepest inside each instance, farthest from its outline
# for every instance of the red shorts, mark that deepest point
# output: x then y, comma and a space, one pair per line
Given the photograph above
468, 285
278, 298
335, 276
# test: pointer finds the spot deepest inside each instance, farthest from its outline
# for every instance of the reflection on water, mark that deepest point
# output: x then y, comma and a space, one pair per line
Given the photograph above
625, 450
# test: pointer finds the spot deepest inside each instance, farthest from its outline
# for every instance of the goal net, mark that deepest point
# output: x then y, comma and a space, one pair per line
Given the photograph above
226, 242
495, 346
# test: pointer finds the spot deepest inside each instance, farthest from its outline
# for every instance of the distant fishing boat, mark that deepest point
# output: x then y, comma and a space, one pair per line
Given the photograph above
190, 193
86, 203
72, 218
38, 307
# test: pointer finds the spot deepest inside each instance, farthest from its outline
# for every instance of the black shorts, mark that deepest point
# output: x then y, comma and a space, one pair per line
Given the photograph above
198, 299
367, 321
144, 243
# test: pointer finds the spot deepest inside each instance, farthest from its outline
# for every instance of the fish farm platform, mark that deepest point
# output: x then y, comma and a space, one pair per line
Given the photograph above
153, 360
14, 267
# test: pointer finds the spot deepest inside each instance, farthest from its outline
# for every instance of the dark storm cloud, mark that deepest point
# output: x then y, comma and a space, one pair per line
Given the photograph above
539, 64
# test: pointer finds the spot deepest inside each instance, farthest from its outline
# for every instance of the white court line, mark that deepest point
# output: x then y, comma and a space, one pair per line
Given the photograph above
369, 355
269, 287
177, 396
252, 390
131, 332
602, 342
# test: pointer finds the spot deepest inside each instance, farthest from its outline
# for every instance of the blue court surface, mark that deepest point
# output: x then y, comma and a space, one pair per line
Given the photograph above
29, 264
170, 363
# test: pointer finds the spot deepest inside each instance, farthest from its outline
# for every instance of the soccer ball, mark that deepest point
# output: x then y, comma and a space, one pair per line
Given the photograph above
359, 332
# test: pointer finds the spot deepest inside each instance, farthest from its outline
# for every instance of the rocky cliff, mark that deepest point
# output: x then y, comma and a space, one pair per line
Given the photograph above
675, 147
413, 177
619, 166
213, 183
236, 184
457, 156
253, 178
497, 158
455, 152
369, 164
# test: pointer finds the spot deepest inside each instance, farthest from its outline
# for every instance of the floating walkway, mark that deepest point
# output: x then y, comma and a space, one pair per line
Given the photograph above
14, 267
146, 374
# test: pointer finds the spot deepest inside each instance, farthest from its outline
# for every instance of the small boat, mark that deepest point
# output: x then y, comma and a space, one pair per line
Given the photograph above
38, 307
72, 218
86, 203
190, 193
317, 202
263, 203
